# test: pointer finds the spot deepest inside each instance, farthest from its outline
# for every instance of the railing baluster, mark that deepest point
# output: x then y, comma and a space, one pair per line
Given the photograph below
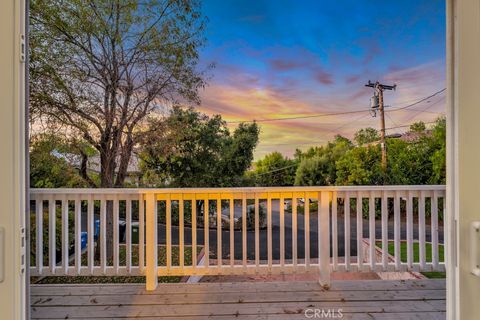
168, 231
181, 240
219, 231
335, 230
141, 233
347, 230
396, 213
90, 233
128, 238
384, 230
39, 242
231, 203
70, 204
103, 234
52, 215
410, 230
244, 230
257, 231
307, 229
152, 244
434, 230
269, 232
371, 229
421, 223
282, 233
324, 237
115, 233
194, 232
78, 234
206, 230
359, 231
65, 234
294, 232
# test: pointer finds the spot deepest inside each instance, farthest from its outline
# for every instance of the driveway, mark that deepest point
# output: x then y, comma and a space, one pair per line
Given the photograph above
288, 237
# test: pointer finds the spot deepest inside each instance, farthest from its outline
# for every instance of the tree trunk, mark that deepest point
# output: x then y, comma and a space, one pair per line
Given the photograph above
107, 173
83, 171
125, 155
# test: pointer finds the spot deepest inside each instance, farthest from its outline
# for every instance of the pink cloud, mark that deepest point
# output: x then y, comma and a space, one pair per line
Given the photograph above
323, 77
353, 79
240, 95
285, 65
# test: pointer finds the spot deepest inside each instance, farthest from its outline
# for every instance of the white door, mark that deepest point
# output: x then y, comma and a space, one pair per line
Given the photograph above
12, 162
463, 176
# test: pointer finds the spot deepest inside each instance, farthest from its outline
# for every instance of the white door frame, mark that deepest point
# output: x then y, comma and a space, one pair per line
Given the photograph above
450, 238
13, 159
463, 154
13, 261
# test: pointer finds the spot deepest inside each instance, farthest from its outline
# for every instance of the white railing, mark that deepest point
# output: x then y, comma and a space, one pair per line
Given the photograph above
307, 229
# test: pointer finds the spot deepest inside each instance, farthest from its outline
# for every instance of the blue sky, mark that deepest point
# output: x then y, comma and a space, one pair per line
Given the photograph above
279, 59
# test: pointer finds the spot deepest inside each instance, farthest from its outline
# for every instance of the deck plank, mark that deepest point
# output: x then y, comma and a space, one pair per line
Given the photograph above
291, 286
369, 299
229, 297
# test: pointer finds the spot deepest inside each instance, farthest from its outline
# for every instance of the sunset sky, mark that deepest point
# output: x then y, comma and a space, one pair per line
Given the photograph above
283, 59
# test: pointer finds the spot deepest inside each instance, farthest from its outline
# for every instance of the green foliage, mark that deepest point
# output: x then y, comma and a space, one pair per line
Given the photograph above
310, 172
273, 170
191, 149
366, 135
318, 164
438, 158
48, 165
418, 126
360, 166
420, 161
46, 232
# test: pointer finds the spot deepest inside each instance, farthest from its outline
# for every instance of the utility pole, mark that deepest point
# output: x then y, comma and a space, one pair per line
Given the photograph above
377, 104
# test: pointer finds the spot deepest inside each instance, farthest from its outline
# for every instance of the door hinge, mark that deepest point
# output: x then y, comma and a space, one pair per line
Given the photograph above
22, 48
22, 250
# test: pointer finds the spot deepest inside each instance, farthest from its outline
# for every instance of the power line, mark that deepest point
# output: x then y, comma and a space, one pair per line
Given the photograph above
419, 101
300, 117
407, 125
313, 143
388, 116
423, 110
275, 170
335, 113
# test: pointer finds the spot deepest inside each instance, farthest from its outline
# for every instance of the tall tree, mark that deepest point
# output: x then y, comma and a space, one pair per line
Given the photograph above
191, 149
99, 67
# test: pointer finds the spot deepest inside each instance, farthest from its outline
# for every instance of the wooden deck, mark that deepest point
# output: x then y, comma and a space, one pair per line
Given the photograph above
365, 299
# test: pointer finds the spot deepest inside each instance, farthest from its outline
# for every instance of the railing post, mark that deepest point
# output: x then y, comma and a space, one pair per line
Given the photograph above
151, 239
324, 238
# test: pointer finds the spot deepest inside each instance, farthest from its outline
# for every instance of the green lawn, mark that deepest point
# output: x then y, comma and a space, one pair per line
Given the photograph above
122, 261
416, 255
